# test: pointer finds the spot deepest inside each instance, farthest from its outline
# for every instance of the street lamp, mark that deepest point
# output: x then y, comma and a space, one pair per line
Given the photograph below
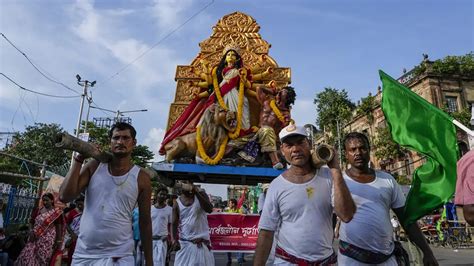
84, 84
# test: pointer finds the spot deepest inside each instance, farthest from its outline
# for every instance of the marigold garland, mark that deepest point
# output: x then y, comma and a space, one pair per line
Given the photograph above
217, 90
277, 111
235, 134
202, 152
240, 106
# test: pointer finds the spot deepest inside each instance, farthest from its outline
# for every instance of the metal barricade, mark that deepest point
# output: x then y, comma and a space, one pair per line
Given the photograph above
20, 204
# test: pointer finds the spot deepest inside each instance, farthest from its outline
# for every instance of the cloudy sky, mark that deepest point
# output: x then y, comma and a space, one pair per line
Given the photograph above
132, 47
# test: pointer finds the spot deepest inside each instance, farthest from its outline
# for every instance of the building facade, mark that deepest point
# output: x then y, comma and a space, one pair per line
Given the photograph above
451, 92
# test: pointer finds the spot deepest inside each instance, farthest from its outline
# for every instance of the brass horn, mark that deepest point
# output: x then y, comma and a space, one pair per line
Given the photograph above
68, 142
321, 155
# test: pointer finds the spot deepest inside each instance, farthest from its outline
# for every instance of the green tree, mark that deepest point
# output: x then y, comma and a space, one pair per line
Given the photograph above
141, 155
386, 148
8, 164
366, 108
36, 143
463, 116
333, 106
98, 135
461, 65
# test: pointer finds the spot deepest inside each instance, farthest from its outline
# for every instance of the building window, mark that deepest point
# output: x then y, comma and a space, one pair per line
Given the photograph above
452, 103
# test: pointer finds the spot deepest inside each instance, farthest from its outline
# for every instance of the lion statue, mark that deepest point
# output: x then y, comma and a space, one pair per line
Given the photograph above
215, 123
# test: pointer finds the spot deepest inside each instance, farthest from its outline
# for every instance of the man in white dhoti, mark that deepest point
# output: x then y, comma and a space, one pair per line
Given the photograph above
160, 219
189, 214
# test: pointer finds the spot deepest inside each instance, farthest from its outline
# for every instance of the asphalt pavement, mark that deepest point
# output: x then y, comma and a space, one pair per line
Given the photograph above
444, 255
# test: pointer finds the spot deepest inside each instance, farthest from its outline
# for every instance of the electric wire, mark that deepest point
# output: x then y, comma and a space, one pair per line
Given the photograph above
37, 67
36, 92
159, 41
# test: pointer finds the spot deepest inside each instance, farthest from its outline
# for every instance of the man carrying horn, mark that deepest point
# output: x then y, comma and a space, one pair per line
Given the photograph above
112, 191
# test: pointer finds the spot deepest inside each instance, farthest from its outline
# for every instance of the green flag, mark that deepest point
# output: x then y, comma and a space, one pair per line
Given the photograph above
418, 125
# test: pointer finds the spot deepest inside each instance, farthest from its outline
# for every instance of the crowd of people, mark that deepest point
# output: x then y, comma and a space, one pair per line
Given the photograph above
296, 223
115, 222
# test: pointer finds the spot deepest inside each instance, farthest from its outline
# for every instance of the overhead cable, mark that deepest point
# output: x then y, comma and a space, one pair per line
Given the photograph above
158, 42
36, 92
37, 68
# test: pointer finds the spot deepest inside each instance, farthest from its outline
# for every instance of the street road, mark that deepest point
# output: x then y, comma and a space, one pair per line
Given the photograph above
445, 256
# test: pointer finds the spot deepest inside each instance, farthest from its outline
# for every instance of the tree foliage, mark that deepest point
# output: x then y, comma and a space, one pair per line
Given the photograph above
386, 148
461, 65
366, 108
141, 155
333, 106
463, 116
98, 135
36, 144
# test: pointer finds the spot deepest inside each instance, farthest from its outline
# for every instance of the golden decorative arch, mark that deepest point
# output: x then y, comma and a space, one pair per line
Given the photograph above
237, 28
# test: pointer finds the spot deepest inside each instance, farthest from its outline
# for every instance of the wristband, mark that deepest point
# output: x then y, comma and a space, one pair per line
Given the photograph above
78, 160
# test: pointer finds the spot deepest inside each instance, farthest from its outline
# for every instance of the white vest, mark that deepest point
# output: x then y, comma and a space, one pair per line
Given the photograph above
106, 223
192, 221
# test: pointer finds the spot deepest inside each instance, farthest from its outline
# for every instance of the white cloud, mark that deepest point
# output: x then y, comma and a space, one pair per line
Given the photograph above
153, 141
88, 28
169, 13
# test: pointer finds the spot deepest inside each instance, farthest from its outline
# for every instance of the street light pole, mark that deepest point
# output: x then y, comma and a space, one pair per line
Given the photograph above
85, 84
89, 101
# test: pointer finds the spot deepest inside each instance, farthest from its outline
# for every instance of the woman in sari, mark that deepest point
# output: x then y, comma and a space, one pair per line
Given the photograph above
46, 236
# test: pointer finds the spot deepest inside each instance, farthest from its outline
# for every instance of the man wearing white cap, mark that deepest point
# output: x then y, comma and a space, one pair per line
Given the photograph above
299, 205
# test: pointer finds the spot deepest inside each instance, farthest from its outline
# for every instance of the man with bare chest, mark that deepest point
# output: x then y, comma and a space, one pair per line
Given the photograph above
275, 115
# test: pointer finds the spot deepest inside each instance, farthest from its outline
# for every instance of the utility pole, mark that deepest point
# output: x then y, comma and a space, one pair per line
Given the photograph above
89, 101
120, 113
85, 84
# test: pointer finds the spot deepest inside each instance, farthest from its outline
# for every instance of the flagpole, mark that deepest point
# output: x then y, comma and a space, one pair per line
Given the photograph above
463, 127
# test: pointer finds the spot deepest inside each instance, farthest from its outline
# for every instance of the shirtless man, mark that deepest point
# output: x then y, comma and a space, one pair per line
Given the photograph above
275, 115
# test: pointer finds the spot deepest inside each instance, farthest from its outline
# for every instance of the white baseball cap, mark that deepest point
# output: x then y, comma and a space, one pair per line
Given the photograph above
292, 130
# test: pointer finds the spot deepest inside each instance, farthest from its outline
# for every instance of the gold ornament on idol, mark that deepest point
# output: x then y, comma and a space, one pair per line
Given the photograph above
277, 111
231, 46
202, 152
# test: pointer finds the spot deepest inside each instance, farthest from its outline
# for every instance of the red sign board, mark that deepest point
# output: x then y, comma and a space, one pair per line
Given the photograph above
232, 232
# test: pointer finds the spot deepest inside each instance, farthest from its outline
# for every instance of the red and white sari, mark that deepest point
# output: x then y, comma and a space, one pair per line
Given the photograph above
38, 252
189, 119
